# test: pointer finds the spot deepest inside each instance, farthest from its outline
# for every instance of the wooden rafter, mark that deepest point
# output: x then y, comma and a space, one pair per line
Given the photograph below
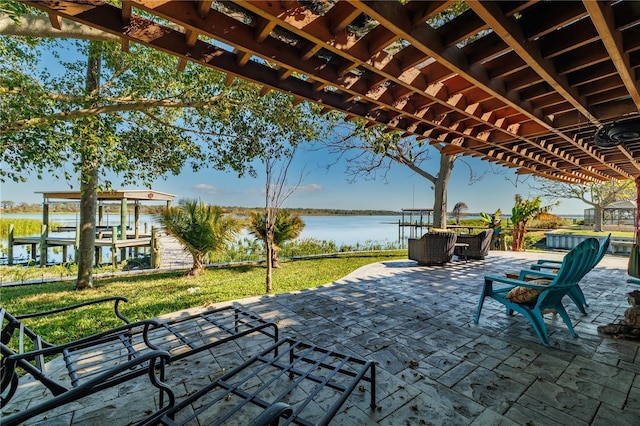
603, 20
522, 84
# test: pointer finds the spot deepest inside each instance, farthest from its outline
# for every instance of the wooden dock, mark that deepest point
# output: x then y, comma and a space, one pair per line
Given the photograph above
117, 238
42, 243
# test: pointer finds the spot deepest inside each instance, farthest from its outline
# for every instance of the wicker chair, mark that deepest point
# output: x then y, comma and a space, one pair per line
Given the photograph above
434, 248
478, 245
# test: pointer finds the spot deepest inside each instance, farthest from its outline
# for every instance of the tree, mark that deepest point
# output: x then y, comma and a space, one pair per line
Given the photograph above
277, 191
202, 229
458, 210
370, 151
598, 195
521, 213
376, 149
133, 114
287, 227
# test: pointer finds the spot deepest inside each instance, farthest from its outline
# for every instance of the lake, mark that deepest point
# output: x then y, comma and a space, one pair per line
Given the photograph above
342, 230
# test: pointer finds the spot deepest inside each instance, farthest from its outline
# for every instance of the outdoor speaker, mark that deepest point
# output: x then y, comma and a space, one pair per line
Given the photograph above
618, 132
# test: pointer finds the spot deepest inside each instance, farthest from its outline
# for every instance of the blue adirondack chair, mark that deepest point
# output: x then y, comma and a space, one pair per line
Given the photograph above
575, 293
574, 266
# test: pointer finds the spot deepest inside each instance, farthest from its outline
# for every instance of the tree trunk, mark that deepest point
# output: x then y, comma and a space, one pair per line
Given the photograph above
88, 181
198, 264
519, 231
269, 245
597, 225
269, 279
275, 261
440, 191
88, 203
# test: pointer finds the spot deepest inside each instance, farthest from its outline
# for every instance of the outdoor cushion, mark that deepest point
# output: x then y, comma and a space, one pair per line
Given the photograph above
520, 294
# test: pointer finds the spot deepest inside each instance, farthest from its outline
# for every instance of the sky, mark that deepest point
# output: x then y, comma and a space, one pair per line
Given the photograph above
329, 188
326, 188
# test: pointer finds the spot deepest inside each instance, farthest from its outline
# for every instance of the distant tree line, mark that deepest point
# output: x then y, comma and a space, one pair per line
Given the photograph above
8, 206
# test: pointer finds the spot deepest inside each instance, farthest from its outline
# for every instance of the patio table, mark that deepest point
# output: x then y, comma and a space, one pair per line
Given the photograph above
463, 249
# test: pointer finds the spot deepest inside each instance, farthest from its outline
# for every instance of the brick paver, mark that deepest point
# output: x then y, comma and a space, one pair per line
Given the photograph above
435, 366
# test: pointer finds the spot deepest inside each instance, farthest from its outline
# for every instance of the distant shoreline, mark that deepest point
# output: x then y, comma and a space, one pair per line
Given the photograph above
232, 210
243, 211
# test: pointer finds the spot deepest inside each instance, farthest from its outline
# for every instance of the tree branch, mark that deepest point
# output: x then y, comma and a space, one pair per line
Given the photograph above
40, 27
19, 125
180, 128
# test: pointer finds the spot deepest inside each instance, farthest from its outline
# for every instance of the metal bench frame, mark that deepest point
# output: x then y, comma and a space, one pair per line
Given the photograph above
124, 352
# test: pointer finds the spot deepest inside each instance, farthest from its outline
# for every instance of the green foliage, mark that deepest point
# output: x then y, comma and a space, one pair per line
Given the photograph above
525, 210
531, 239
522, 212
202, 229
13, 9
156, 294
22, 227
146, 118
307, 247
288, 226
491, 220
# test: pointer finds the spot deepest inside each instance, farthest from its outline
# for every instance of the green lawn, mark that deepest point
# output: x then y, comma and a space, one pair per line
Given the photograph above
159, 293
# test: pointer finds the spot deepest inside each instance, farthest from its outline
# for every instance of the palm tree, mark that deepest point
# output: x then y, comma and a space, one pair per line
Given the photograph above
457, 211
202, 229
521, 213
287, 227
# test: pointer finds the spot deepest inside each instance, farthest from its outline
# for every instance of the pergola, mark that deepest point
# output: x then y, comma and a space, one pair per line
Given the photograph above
525, 84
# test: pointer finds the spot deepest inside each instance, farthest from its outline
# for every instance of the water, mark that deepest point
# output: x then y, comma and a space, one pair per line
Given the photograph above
342, 230
351, 230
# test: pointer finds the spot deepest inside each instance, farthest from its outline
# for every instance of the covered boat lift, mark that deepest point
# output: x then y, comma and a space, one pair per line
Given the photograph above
116, 237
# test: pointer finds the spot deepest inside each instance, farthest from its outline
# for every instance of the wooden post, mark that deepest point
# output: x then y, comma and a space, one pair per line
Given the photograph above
10, 254
43, 245
136, 219
136, 225
114, 241
146, 250
155, 249
64, 253
123, 226
100, 215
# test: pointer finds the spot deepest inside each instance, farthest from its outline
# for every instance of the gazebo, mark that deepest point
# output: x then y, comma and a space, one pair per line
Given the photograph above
620, 215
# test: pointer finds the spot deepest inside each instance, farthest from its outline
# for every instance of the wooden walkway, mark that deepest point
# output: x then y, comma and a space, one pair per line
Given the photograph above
172, 253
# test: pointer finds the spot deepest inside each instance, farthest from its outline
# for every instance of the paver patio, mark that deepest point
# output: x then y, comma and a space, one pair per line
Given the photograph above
435, 366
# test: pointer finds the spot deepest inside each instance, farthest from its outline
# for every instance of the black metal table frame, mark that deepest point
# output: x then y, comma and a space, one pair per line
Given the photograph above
297, 368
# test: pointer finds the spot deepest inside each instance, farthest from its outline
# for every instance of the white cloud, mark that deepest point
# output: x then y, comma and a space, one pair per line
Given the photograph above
314, 187
207, 189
